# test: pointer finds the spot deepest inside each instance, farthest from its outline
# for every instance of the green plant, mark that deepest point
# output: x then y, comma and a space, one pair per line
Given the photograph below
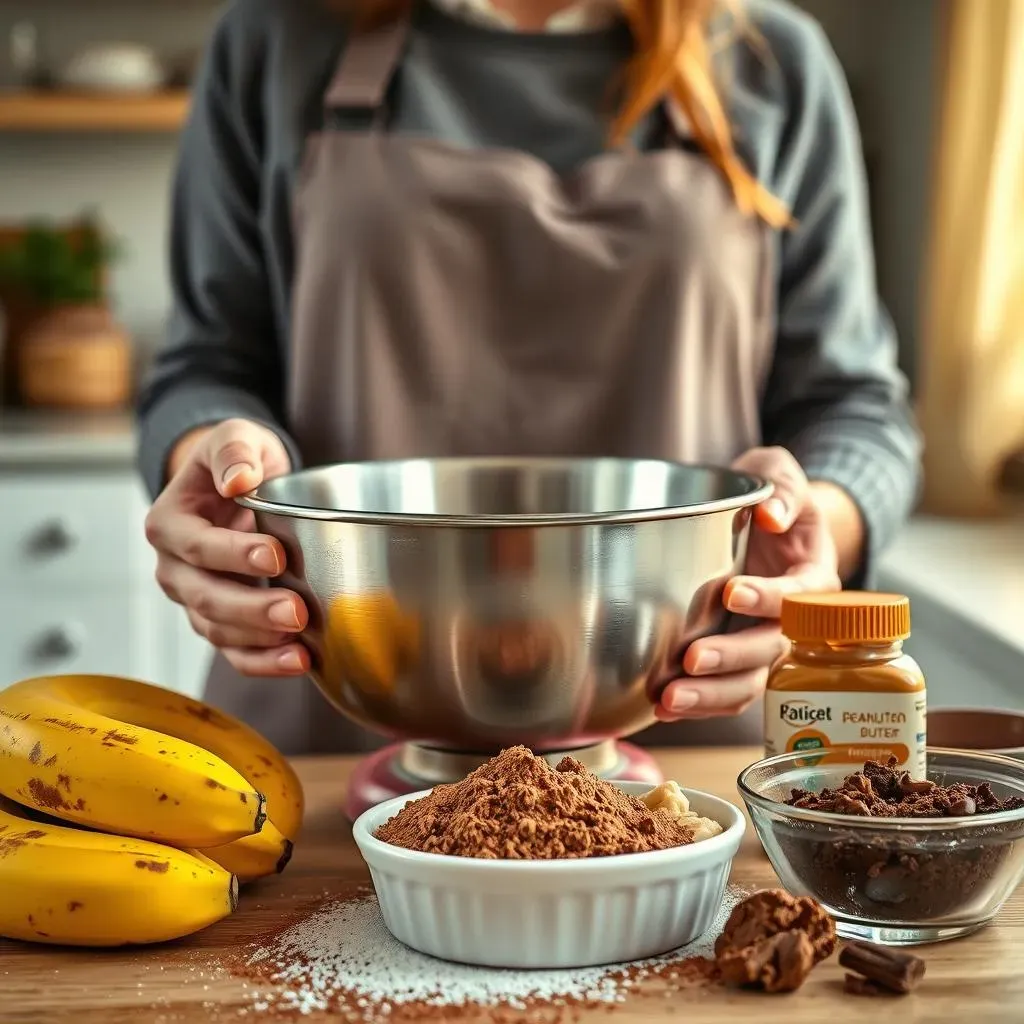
56, 267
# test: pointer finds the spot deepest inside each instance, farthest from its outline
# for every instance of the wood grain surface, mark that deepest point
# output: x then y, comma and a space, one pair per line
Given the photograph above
980, 978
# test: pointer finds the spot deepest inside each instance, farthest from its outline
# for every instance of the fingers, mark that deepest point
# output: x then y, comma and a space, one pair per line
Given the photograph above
779, 466
221, 635
190, 538
255, 611
733, 653
761, 598
711, 698
241, 455
292, 660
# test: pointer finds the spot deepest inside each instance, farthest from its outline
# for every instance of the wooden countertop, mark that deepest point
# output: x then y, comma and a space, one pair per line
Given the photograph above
981, 977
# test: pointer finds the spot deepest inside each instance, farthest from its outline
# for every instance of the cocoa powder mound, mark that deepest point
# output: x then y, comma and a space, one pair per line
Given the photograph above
517, 807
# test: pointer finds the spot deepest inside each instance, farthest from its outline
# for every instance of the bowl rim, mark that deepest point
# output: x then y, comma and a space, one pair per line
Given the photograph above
759, 490
473, 866
872, 824
971, 709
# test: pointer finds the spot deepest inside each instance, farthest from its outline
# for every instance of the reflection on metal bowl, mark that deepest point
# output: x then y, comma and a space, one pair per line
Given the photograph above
474, 603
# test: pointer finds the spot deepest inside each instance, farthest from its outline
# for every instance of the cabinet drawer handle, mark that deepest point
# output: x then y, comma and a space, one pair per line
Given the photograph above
57, 644
53, 539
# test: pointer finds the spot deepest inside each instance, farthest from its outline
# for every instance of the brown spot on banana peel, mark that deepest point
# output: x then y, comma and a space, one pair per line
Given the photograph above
46, 796
160, 867
206, 714
243, 798
163, 797
35, 755
70, 726
75, 905
233, 893
64, 781
214, 784
119, 737
50, 761
265, 760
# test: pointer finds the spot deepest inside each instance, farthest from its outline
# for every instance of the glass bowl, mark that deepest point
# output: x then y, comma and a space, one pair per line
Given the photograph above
899, 881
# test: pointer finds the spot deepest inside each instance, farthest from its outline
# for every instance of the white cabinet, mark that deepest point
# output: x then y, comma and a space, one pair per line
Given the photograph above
77, 592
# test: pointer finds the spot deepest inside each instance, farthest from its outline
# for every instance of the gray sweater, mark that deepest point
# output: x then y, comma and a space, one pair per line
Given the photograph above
834, 397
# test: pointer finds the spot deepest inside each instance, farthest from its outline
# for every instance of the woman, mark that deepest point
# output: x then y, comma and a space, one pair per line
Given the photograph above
629, 228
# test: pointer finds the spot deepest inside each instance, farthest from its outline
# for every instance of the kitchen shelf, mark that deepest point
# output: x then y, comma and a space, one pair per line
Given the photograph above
86, 112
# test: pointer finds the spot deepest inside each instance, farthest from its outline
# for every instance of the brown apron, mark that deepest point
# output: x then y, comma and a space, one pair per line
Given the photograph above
454, 302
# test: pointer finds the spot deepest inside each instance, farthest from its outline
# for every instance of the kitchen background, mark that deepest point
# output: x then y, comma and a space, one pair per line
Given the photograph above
76, 589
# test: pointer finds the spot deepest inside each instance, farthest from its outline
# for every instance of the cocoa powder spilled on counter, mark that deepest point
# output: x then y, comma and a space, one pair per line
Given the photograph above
339, 962
517, 807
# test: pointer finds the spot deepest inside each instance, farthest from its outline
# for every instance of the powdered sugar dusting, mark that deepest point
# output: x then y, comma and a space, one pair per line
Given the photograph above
343, 959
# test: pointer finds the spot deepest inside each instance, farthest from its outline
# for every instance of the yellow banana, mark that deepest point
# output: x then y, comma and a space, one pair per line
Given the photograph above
67, 886
253, 857
173, 714
84, 767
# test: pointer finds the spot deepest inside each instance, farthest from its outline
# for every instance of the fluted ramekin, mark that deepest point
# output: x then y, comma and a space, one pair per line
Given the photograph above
551, 913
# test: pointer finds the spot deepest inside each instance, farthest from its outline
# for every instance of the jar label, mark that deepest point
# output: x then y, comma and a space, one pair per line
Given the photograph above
856, 726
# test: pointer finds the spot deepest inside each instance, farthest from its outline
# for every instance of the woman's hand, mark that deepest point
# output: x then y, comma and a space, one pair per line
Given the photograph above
209, 557
791, 549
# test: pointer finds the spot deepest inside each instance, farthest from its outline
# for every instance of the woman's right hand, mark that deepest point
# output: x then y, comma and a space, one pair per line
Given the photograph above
209, 556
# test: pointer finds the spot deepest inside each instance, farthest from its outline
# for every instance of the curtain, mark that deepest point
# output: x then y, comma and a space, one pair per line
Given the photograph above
972, 358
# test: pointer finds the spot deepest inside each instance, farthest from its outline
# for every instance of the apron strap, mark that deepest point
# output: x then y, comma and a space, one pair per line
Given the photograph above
367, 64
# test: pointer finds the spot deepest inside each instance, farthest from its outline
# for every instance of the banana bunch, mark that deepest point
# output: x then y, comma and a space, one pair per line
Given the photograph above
132, 813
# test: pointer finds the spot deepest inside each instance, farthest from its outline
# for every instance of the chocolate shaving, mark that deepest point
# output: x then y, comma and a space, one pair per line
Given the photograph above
890, 970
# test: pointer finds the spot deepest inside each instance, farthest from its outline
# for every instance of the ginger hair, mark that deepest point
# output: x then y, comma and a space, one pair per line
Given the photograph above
673, 62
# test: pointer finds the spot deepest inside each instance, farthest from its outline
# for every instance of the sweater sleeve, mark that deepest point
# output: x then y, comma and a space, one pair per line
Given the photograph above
835, 395
221, 358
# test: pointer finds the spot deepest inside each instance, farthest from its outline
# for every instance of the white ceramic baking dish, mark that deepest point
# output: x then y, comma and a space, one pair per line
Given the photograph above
551, 913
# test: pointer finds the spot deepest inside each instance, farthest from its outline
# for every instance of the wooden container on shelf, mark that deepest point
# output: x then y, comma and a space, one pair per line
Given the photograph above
69, 353
75, 357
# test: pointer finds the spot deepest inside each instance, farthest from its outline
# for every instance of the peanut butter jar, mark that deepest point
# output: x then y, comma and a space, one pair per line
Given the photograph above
846, 683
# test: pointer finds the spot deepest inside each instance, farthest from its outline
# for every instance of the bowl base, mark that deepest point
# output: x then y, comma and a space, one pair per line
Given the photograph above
903, 935
381, 776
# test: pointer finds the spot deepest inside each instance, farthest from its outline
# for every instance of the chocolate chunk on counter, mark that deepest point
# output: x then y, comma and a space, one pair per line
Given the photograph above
880, 968
773, 940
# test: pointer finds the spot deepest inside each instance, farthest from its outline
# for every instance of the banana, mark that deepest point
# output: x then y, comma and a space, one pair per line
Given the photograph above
191, 721
73, 763
254, 857
72, 887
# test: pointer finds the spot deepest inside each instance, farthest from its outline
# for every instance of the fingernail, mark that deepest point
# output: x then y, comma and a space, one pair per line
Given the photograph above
707, 661
682, 700
290, 661
283, 614
236, 470
742, 598
776, 509
263, 559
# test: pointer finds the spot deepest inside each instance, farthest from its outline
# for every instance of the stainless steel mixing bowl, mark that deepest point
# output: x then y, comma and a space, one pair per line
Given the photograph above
470, 604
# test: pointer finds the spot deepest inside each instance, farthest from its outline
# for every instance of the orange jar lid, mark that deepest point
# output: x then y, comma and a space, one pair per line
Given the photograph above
846, 617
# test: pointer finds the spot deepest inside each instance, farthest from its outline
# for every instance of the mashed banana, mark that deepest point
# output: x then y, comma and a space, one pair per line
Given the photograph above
668, 797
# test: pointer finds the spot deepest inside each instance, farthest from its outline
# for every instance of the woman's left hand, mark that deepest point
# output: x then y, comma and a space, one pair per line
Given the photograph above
790, 550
